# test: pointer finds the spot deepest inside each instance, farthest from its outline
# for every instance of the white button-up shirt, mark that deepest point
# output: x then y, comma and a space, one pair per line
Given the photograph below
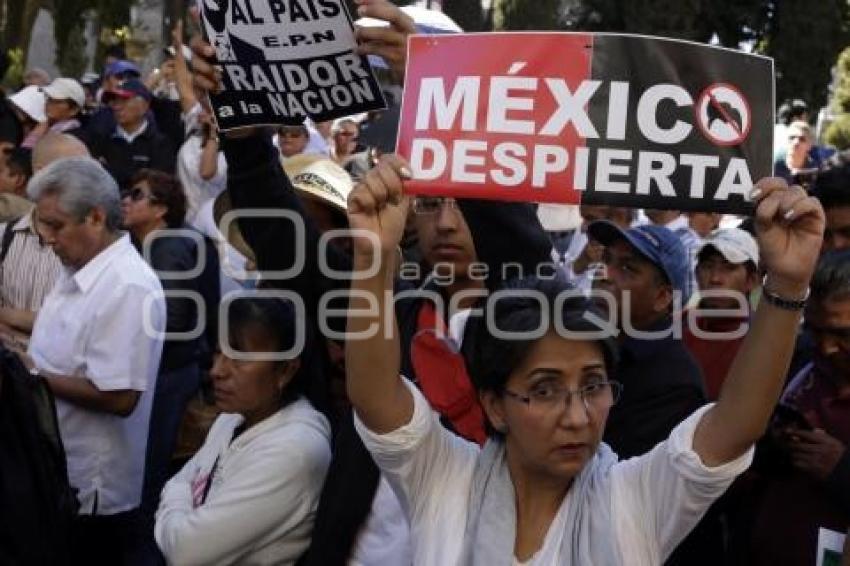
92, 326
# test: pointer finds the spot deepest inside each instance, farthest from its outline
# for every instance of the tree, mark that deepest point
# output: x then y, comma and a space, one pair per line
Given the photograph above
667, 18
728, 21
529, 15
837, 134
18, 18
804, 40
841, 95
69, 38
466, 13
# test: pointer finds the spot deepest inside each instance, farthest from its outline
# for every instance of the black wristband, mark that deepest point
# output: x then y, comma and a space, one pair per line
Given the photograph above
783, 303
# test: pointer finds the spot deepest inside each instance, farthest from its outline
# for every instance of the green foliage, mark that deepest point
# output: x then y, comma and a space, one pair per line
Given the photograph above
15, 73
71, 59
804, 38
841, 95
838, 133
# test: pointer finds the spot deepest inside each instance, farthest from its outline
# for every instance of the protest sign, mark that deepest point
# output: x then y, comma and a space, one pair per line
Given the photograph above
587, 118
284, 60
830, 547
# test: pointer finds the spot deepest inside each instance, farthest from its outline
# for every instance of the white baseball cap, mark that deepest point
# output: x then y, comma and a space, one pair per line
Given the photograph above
31, 101
66, 89
734, 244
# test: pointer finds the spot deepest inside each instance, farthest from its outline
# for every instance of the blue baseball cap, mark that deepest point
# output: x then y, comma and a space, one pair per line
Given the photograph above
122, 68
128, 89
657, 244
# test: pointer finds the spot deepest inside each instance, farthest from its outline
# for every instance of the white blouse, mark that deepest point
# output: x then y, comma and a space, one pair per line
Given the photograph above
657, 498
248, 500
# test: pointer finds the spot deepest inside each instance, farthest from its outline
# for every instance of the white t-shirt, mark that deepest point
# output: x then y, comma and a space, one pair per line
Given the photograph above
92, 325
249, 500
657, 498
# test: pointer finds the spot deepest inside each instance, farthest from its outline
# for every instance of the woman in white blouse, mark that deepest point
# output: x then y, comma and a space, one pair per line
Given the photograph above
545, 490
249, 495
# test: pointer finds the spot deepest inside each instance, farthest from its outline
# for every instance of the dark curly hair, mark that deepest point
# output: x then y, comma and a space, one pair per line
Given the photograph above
167, 191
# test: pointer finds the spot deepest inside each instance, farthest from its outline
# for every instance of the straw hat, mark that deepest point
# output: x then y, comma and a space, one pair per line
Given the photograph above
312, 175
321, 178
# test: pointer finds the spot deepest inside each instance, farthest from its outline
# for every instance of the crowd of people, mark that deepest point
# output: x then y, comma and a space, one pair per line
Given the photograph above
686, 402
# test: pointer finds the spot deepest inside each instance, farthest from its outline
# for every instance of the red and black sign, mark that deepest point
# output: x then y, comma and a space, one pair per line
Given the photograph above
593, 118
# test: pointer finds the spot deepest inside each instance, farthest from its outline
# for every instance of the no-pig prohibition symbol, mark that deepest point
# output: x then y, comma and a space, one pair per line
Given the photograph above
723, 114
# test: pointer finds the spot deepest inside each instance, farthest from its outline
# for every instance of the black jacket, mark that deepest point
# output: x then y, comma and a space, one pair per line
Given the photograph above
180, 255
662, 385
149, 150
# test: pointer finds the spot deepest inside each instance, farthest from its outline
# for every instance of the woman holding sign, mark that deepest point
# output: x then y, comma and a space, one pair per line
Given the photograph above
545, 489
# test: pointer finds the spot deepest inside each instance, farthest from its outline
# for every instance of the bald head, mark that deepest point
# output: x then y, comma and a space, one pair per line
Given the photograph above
55, 146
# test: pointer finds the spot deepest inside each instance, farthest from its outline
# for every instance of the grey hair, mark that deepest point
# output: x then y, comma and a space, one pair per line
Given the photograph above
81, 184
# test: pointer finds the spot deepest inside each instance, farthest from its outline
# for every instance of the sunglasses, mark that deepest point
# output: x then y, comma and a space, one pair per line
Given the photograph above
136, 194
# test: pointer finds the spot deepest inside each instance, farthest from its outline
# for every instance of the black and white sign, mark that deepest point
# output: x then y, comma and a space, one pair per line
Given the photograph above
284, 60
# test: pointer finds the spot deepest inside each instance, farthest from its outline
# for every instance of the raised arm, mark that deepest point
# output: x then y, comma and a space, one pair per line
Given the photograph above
388, 42
182, 74
256, 181
376, 207
789, 229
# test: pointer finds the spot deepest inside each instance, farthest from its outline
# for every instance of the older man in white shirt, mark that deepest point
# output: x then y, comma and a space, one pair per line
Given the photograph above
97, 341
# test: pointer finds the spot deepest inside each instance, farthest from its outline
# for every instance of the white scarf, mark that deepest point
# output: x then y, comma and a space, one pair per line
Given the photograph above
491, 522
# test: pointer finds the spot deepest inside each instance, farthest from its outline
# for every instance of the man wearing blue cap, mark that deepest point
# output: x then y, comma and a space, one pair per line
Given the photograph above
133, 144
648, 273
100, 121
118, 72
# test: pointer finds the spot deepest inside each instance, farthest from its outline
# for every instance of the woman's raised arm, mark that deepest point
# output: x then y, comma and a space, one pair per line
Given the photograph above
377, 210
789, 228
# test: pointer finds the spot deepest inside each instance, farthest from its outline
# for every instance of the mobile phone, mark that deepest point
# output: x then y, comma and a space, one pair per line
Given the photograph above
789, 417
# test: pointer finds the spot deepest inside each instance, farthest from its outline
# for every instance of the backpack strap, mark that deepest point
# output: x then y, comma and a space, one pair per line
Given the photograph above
8, 236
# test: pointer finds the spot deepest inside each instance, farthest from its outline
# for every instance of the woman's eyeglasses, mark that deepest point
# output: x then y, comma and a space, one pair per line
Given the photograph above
425, 206
549, 399
136, 194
